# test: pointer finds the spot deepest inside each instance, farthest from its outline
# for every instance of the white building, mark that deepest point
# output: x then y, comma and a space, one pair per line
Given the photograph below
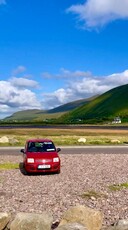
116, 120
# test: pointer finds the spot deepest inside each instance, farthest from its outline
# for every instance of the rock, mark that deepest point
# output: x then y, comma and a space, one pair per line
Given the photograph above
122, 225
4, 139
108, 228
123, 222
13, 141
4, 219
82, 139
72, 226
89, 218
115, 141
32, 221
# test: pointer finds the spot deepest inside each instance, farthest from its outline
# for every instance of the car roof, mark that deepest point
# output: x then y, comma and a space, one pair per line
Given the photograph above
39, 140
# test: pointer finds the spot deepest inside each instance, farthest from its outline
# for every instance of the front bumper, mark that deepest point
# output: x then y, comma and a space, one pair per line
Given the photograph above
35, 168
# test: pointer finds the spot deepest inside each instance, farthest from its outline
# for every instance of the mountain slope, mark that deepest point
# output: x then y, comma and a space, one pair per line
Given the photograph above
24, 115
36, 114
105, 107
71, 105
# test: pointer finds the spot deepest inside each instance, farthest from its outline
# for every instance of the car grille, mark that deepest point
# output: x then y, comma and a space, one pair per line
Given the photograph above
43, 160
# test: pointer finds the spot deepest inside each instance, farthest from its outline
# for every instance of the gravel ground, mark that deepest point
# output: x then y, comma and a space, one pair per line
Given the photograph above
56, 193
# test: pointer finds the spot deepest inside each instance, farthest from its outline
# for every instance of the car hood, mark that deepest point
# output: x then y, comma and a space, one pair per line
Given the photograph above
42, 155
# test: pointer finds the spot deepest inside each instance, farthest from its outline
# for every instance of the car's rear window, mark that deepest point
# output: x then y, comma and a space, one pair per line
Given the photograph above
41, 146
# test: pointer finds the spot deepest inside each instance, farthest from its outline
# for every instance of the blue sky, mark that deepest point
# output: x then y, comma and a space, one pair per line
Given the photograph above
55, 52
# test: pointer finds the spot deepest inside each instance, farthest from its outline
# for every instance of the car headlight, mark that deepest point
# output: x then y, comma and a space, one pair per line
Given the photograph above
56, 159
30, 160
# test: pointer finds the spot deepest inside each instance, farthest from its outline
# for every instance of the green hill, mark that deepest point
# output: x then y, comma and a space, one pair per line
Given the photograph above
38, 115
103, 108
71, 105
24, 115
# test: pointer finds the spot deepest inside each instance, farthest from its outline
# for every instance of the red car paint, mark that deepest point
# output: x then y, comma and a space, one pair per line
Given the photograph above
41, 155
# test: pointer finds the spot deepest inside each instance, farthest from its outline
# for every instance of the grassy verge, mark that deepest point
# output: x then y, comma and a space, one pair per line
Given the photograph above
17, 137
93, 195
118, 187
8, 165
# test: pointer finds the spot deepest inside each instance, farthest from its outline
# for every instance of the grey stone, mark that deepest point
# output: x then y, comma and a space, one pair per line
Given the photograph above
4, 139
72, 226
32, 221
4, 219
123, 222
82, 139
90, 218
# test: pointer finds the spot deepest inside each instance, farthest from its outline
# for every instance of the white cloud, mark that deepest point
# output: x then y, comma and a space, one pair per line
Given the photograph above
96, 13
19, 69
60, 96
64, 73
84, 88
13, 98
46, 75
23, 82
117, 79
15, 94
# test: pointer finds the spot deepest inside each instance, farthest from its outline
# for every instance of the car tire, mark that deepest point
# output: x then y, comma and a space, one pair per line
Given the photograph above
58, 172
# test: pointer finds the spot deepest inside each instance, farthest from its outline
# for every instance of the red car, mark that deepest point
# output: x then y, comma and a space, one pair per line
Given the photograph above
41, 155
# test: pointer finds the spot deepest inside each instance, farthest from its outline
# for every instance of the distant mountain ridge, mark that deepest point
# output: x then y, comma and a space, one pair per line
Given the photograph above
71, 105
36, 114
101, 108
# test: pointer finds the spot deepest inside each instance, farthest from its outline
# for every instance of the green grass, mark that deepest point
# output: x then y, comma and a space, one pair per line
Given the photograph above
118, 187
66, 136
27, 116
94, 194
8, 165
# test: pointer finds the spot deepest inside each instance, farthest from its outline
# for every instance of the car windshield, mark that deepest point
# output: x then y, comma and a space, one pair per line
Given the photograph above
41, 146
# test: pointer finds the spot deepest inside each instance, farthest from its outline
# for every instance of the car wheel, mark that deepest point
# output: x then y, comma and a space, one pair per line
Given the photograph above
58, 172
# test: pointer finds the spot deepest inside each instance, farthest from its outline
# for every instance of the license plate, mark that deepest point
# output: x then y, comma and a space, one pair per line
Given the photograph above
44, 166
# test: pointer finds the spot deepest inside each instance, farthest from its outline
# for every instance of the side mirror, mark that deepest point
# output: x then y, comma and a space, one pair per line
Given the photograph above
22, 150
58, 149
